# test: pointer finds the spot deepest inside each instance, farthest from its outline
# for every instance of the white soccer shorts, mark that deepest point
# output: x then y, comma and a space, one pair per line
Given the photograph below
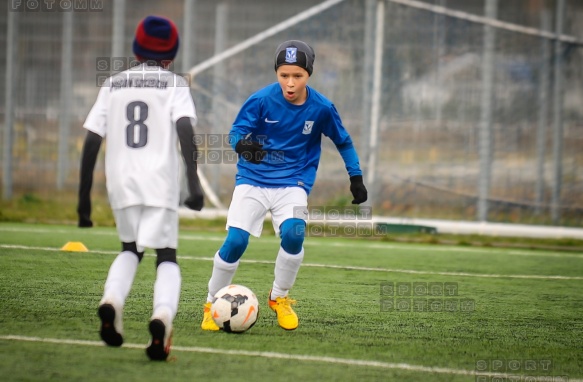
250, 205
149, 227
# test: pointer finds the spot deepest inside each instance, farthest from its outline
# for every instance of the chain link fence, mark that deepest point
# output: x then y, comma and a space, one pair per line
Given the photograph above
432, 85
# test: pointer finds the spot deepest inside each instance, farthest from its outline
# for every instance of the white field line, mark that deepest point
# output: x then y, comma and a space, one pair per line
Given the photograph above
298, 357
359, 244
447, 249
344, 267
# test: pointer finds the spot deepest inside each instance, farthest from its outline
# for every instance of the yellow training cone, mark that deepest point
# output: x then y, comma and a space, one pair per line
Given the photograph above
74, 246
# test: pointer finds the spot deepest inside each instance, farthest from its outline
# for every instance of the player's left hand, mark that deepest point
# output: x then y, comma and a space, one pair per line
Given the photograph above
194, 202
250, 150
84, 221
84, 214
358, 189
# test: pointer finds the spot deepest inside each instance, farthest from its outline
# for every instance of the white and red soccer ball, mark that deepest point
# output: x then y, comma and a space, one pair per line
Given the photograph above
235, 309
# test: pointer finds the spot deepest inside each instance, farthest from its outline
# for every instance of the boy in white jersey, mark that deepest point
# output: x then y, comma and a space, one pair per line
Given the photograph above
143, 112
277, 135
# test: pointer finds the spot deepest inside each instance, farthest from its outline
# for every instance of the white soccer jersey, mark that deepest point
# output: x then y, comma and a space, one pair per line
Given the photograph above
136, 111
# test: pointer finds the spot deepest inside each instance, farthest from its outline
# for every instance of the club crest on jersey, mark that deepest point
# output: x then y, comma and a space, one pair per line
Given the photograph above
291, 55
308, 127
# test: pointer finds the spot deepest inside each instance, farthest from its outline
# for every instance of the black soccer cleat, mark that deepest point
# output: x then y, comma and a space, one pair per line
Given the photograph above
159, 347
110, 332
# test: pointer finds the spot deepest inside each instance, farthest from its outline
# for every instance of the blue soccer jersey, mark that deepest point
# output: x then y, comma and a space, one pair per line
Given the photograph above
292, 136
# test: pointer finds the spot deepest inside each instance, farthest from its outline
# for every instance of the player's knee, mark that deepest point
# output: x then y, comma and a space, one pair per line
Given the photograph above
165, 254
235, 244
292, 235
133, 248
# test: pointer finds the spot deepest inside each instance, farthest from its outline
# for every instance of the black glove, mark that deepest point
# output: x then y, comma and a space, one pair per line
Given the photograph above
195, 202
358, 190
84, 213
251, 151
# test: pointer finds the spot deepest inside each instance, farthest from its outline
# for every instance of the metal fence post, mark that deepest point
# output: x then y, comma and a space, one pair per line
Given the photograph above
11, 39
543, 113
66, 99
187, 36
118, 32
485, 134
558, 117
376, 101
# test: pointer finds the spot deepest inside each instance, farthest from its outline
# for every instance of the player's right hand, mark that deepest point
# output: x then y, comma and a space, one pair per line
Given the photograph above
194, 202
251, 151
84, 221
358, 189
84, 213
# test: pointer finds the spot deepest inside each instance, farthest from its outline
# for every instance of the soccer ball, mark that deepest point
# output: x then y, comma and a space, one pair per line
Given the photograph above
235, 308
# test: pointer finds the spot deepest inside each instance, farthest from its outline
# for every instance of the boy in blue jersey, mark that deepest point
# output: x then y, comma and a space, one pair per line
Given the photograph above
278, 134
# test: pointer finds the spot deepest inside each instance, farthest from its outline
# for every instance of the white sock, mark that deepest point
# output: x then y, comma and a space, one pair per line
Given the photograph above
222, 276
167, 291
286, 270
120, 278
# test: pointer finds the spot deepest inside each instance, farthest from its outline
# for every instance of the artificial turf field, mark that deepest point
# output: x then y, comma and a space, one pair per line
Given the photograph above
369, 311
